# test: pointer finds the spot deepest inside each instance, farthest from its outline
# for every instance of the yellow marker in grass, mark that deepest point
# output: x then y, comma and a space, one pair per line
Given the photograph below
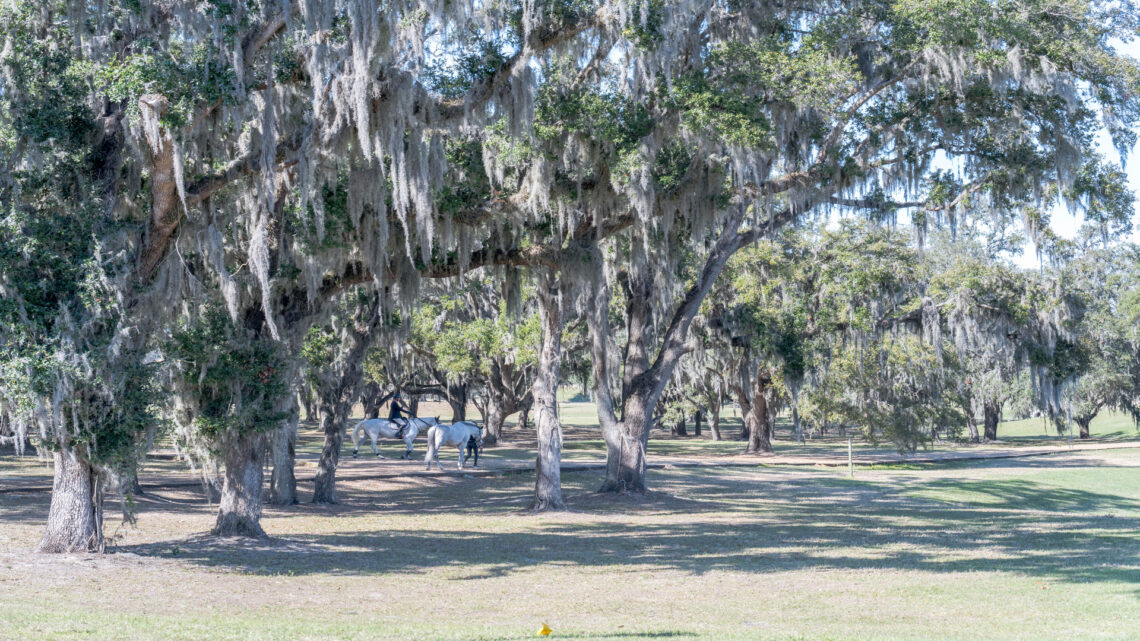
545, 630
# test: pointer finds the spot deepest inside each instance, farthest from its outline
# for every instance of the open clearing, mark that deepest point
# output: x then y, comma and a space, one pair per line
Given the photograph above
1034, 548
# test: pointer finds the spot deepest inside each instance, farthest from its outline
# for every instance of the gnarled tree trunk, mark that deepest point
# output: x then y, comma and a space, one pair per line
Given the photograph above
75, 518
239, 508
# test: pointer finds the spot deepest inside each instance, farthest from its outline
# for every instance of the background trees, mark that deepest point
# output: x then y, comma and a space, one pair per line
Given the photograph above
195, 187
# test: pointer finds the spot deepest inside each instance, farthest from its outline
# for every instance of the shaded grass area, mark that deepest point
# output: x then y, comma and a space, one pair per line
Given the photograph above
1006, 549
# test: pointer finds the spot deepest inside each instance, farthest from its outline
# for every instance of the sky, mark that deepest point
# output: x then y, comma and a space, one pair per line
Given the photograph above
1066, 224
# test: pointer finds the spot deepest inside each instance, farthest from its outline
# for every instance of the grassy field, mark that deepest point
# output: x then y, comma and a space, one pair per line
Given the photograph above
1041, 548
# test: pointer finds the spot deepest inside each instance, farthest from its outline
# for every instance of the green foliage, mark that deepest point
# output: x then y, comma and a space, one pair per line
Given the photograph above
233, 378
611, 119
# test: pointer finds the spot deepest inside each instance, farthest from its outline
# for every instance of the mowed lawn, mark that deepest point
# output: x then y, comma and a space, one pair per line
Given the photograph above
1038, 548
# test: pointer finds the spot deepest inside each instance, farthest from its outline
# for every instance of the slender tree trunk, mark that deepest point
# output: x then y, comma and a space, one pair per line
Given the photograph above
308, 403
679, 428
239, 508
992, 418
283, 444
75, 518
1083, 423
524, 415
697, 418
548, 463
332, 425
338, 389
714, 420
972, 423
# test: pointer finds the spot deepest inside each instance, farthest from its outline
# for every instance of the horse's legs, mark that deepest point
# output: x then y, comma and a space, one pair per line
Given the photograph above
430, 452
374, 450
462, 457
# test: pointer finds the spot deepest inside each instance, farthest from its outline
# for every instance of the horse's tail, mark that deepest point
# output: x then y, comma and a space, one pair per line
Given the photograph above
356, 433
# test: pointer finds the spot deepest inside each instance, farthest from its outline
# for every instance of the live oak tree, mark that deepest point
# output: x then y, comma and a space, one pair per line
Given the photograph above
1103, 360
334, 354
468, 333
262, 158
258, 156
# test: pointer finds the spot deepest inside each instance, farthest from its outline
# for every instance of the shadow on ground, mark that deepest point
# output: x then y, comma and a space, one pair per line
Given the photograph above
700, 523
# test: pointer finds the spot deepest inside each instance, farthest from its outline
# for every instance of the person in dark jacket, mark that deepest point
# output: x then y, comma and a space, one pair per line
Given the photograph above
396, 414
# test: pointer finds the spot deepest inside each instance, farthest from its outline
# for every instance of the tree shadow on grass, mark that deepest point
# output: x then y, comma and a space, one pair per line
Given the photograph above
732, 522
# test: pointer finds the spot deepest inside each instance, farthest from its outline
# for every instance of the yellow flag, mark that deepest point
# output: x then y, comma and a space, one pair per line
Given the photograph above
545, 630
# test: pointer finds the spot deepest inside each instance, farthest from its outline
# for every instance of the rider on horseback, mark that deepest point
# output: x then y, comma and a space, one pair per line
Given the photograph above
396, 414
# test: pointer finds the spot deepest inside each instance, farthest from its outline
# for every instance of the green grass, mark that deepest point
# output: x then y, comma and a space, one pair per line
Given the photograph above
1041, 548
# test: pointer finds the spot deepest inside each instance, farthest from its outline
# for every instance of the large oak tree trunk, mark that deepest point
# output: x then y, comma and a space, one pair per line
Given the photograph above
75, 518
992, 418
642, 382
548, 463
239, 509
633, 432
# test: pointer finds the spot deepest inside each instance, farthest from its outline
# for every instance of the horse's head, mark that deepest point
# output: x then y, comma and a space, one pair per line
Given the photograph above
478, 436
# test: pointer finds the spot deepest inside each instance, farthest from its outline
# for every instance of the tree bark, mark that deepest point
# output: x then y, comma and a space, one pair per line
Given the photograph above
75, 517
548, 463
972, 423
698, 417
371, 399
757, 420
457, 399
714, 419
332, 426
239, 508
493, 421
1083, 423
679, 428
283, 482
338, 388
992, 418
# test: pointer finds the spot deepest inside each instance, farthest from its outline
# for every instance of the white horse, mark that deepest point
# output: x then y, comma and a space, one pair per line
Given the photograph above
457, 434
378, 427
